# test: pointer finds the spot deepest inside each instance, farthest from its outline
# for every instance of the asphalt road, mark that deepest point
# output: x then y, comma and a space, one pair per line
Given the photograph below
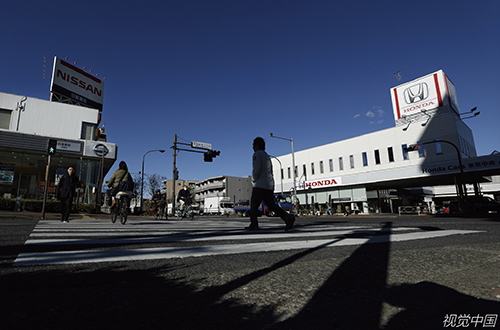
383, 272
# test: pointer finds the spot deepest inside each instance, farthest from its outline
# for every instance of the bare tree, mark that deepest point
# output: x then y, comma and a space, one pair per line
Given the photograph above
153, 182
137, 184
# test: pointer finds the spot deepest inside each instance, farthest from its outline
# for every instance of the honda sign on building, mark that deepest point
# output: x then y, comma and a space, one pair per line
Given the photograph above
76, 84
423, 94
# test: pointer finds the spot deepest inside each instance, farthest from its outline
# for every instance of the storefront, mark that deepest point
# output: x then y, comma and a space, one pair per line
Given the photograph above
24, 160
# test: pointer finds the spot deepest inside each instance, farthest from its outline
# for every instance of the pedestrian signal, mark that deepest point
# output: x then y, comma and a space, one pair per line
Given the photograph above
52, 148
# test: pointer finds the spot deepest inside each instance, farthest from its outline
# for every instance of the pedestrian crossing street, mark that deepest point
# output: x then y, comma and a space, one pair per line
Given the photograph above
86, 241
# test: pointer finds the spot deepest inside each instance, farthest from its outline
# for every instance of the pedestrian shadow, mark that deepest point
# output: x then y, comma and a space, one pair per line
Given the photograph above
428, 305
352, 297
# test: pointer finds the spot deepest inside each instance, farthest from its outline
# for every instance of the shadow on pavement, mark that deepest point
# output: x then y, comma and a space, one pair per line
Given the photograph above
115, 297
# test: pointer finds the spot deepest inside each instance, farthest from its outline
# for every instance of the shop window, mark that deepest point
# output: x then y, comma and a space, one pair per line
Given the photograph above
377, 157
391, 154
5, 118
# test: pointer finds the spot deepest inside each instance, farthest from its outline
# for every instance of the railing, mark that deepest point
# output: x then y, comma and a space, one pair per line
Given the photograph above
409, 209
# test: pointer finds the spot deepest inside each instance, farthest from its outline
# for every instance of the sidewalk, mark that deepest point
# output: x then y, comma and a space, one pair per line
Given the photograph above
56, 216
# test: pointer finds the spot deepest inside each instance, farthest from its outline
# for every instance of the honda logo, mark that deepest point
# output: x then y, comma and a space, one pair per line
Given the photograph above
416, 93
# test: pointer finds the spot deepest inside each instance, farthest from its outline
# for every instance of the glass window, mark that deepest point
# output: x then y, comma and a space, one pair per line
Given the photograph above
321, 167
88, 131
331, 165
282, 177
377, 157
391, 154
341, 164
351, 161
421, 150
5, 118
289, 173
405, 153
304, 169
439, 150
365, 159
312, 168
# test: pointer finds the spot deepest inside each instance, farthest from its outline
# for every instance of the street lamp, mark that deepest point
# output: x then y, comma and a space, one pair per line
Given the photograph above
142, 179
462, 190
293, 164
281, 172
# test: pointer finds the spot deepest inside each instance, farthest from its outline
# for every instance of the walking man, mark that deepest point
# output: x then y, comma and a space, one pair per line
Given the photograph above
263, 187
65, 192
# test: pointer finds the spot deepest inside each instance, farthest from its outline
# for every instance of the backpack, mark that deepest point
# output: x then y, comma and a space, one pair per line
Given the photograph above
126, 186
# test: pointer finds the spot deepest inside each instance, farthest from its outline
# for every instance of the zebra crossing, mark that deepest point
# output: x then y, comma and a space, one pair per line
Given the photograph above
90, 241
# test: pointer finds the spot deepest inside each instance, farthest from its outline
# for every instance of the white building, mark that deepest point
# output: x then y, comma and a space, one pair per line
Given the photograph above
26, 126
373, 172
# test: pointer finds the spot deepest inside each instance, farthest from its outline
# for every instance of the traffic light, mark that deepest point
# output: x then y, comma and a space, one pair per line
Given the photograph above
52, 148
176, 174
210, 155
411, 148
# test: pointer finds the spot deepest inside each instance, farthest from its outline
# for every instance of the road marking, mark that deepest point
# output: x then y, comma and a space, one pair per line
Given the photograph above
299, 239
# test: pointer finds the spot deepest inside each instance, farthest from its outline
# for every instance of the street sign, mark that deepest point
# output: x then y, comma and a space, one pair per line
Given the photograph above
201, 145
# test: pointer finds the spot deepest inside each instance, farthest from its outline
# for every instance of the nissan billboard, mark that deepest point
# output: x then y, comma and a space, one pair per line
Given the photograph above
76, 84
426, 93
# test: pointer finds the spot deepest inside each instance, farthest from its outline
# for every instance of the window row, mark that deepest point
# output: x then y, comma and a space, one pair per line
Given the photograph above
364, 158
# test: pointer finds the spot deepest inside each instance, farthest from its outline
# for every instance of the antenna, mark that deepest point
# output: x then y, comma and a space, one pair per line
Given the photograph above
397, 73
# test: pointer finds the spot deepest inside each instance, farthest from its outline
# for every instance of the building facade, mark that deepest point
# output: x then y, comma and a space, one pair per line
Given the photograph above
376, 172
234, 189
26, 126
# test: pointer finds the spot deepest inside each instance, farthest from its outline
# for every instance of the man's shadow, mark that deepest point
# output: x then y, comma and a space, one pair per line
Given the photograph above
354, 296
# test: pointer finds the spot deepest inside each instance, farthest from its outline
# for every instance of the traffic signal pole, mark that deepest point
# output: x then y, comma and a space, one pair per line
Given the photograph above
46, 188
197, 145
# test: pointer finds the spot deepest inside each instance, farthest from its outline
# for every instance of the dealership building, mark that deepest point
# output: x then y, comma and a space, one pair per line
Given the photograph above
376, 172
71, 120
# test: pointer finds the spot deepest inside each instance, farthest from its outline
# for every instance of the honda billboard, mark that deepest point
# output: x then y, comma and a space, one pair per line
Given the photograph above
426, 93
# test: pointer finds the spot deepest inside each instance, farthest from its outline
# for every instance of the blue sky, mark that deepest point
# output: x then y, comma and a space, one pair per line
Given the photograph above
224, 72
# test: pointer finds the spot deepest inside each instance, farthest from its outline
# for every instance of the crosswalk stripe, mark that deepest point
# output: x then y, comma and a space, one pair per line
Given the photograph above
302, 238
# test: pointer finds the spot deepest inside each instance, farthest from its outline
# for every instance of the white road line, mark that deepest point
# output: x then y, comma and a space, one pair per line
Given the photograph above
86, 256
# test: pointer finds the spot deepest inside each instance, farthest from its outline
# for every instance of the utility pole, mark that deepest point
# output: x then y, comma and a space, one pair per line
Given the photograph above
208, 153
174, 175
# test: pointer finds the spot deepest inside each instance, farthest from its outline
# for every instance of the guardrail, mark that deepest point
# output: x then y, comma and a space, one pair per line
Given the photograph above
409, 209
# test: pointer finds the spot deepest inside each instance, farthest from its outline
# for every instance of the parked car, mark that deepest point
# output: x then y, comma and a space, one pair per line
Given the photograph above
480, 204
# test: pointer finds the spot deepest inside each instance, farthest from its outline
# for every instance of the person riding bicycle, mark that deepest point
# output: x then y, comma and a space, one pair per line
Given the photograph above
121, 180
157, 201
184, 197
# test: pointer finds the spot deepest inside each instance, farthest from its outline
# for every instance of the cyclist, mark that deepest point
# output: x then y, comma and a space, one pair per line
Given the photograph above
184, 197
115, 182
157, 201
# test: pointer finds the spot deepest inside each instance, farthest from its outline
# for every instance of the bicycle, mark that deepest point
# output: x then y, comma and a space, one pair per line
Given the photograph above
122, 204
186, 212
159, 211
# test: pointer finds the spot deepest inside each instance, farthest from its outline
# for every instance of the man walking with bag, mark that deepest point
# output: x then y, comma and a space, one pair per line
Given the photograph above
263, 187
65, 192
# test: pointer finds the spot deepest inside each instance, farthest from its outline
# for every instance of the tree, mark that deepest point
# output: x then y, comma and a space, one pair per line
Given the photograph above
137, 184
153, 183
